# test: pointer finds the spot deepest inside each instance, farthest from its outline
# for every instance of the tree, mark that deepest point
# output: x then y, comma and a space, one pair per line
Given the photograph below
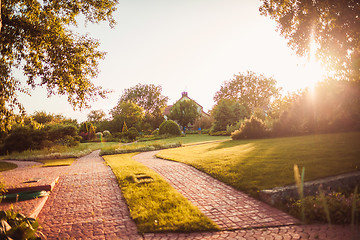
147, 96
226, 113
250, 90
128, 112
42, 117
333, 25
36, 39
96, 116
184, 112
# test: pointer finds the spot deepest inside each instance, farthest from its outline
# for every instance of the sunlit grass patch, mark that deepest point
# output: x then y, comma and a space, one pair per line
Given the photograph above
253, 165
154, 205
166, 143
58, 152
4, 166
57, 162
139, 147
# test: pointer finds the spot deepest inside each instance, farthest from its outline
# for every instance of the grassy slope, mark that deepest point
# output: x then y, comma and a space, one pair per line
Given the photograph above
4, 166
57, 162
58, 152
252, 165
155, 206
152, 145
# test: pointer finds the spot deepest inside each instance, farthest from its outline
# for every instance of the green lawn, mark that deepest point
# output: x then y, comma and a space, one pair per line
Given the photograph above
195, 138
154, 205
57, 162
165, 143
253, 165
59, 152
4, 166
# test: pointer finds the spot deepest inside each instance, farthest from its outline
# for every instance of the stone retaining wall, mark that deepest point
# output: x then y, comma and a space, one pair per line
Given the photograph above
280, 195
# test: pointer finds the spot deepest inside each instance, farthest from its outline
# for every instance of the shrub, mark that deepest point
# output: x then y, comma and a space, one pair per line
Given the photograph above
132, 133
155, 132
250, 128
106, 134
99, 136
169, 127
339, 206
17, 226
219, 133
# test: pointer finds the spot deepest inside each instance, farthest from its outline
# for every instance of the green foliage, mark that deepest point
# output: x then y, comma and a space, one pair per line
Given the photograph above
56, 162
155, 132
169, 127
42, 117
17, 226
338, 205
250, 128
333, 106
226, 113
124, 128
36, 38
147, 96
250, 90
87, 131
332, 25
184, 112
219, 133
4, 166
132, 133
203, 122
139, 147
154, 205
128, 112
23, 138
96, 116
59, 151
106, 134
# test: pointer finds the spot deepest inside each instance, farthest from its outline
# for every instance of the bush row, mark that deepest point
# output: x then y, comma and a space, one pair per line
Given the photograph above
24, 137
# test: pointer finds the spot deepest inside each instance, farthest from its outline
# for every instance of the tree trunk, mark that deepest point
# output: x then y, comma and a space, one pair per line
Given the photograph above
0, 18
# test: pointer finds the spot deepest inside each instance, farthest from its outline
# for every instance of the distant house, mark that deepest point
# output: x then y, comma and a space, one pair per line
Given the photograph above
185, 97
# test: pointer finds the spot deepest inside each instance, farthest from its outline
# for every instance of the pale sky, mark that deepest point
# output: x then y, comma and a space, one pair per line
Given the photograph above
187, 45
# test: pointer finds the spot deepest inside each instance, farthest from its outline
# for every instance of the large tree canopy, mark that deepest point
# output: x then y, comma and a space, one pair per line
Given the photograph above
333, 25
149, 97
250, 90
184, 112
36, 39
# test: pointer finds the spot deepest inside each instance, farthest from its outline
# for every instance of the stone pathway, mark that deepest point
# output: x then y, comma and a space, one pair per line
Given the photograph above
227, 207
87, 204
231, 209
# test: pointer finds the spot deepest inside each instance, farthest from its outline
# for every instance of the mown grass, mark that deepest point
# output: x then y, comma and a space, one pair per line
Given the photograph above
58, 152
165, 143
4, 166
155, 206
193, 138
57, 162
253, 165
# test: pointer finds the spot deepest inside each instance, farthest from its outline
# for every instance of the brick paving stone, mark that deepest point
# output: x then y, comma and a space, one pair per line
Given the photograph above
310, 232
87, 204
28, 170
227, 207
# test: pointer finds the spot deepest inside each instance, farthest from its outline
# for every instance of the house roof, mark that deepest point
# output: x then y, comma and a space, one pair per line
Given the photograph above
184, 95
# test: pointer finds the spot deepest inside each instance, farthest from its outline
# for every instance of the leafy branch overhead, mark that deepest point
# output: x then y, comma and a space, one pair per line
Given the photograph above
36, 39
333, 26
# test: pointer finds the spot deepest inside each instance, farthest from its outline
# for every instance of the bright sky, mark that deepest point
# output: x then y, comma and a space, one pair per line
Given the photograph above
188, 45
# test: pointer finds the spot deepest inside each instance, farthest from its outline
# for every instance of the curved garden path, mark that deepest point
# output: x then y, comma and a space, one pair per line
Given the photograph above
87, 204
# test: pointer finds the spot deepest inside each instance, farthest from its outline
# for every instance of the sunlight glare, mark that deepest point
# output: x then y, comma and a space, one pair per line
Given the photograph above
313, 71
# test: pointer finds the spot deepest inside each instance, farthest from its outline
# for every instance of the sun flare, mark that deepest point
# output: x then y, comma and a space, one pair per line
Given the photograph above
313, 72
